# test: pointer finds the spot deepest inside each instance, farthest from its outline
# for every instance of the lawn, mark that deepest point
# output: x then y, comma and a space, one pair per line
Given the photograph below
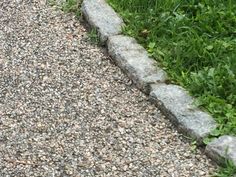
195, 42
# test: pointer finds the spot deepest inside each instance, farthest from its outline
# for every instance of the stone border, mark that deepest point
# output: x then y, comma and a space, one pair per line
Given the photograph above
103, 18
222, 148
172, 100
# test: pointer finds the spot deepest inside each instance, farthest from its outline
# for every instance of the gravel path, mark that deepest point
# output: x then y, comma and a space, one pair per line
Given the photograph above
66, 110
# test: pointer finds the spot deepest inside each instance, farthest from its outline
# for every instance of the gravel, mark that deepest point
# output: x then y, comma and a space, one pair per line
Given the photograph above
66, 110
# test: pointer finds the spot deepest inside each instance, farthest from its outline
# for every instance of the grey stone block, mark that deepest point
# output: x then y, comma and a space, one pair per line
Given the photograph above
222, 148
134, 60
178, 106
102, 17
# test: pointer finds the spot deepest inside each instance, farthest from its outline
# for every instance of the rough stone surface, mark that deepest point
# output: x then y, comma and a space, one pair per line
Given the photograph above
67, 111
102, 17
222, 148
176, 103
134, 60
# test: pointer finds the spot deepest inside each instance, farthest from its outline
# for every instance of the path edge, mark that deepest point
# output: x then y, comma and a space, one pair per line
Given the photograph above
174, 101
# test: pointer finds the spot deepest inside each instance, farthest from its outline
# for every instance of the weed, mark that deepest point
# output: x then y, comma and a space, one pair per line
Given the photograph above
93, 36
229, 170
52, 2
193, 146
72, 6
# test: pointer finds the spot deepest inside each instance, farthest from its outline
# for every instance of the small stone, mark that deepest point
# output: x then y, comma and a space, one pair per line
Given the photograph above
121, 130
114, 168
125, 168
202, 173
122, 123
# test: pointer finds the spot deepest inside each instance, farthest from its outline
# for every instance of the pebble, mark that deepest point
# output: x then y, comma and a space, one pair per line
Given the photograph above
67, 110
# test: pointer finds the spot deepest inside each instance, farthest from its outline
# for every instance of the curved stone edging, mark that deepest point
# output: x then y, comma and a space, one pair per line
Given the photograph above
174, 101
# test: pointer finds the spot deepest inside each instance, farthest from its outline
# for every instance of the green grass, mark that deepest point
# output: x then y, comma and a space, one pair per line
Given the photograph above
72, 6
68, 6
93, 36
195, 42
229, 170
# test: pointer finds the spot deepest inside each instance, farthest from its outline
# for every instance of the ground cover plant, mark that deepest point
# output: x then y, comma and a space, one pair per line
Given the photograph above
195, 42
72, 6
228, 170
